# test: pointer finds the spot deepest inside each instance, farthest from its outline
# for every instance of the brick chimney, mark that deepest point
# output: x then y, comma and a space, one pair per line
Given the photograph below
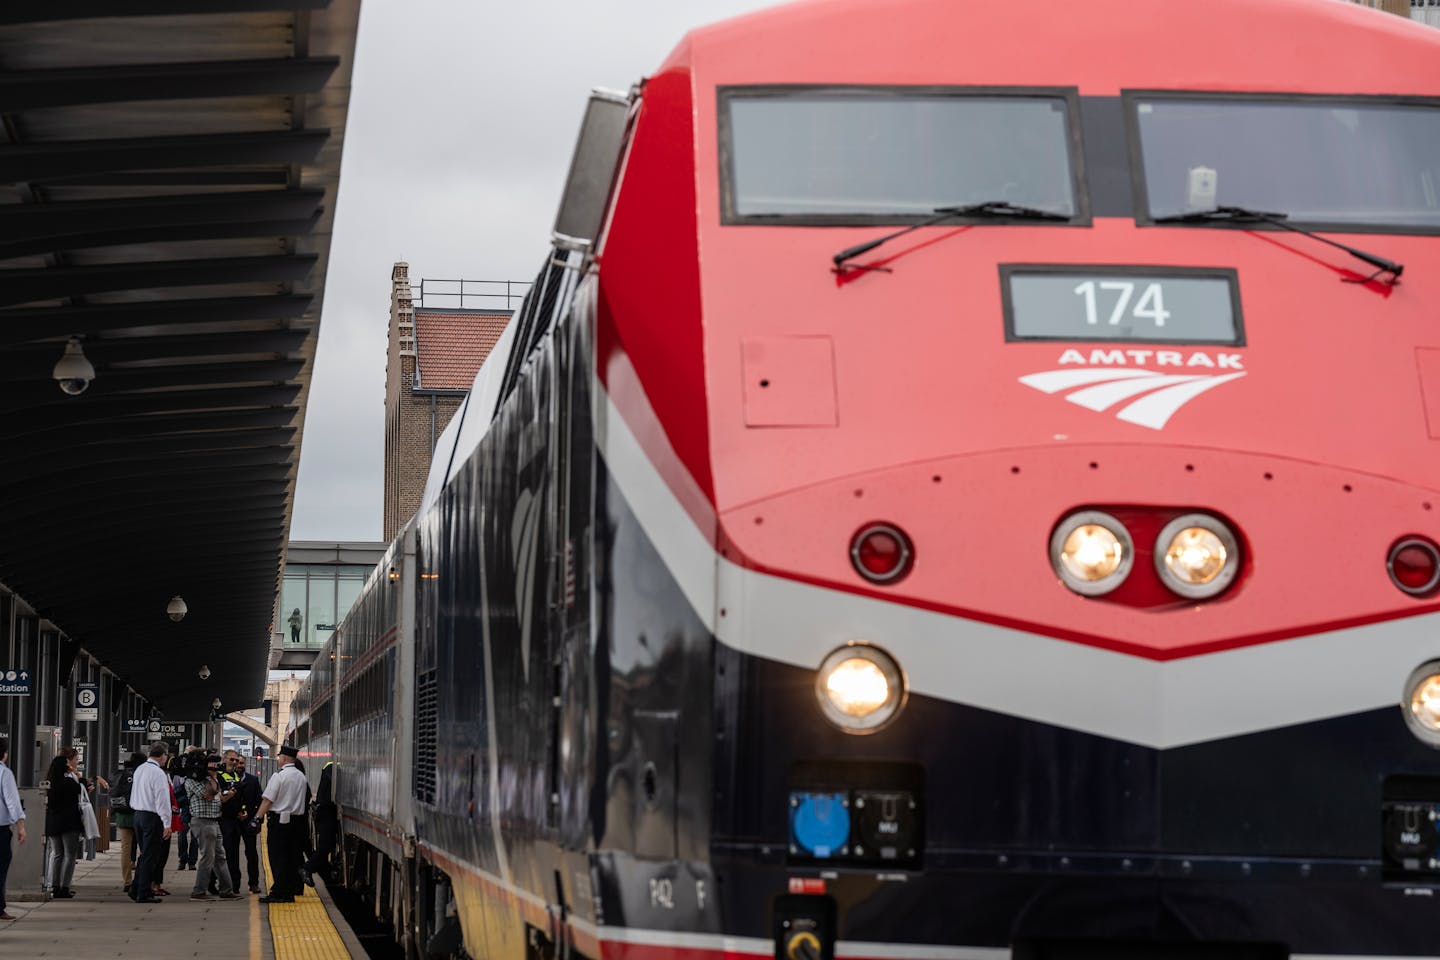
399, 376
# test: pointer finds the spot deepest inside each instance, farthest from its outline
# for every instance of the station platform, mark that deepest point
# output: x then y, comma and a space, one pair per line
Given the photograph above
102, 922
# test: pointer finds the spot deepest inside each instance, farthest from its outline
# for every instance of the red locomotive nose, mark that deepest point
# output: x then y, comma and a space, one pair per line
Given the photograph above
881, 553
1415, 566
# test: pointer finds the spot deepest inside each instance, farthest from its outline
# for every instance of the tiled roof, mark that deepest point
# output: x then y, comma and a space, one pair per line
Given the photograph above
450, 345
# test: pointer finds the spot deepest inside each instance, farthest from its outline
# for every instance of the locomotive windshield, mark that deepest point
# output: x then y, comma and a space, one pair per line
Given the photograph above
876, 156
1347, 163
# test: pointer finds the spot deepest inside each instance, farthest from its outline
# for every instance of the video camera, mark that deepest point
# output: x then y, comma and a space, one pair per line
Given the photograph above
201, 765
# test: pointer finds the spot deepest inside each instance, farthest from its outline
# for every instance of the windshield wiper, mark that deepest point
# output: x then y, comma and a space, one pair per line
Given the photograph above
1246, 215
989, 210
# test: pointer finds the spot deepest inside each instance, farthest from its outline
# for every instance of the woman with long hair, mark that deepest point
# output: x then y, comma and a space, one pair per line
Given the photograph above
64, 822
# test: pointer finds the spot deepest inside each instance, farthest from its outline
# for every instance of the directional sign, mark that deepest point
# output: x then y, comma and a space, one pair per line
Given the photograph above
14, 683
87, 702
134, 726
160, 729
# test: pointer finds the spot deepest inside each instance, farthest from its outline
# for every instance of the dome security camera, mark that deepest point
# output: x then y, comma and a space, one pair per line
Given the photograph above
73, 371
204, 672
176, 609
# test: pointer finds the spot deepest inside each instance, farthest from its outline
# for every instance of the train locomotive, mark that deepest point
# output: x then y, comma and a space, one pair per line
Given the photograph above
967, 488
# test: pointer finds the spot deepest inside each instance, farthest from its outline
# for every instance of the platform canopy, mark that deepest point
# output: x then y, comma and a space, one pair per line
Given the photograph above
167, 189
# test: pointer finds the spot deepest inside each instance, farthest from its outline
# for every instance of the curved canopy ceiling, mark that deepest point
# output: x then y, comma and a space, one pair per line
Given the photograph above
167, 187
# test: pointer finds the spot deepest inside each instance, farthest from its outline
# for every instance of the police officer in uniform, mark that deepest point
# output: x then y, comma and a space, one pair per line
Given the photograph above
283, 800
232, 811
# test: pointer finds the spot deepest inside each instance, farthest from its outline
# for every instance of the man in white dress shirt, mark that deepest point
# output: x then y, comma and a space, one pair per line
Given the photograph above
150, 801
12, 815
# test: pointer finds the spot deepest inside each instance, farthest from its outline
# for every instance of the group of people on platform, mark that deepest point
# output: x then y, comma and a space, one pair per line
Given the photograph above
212, 805
208, 816
223, 808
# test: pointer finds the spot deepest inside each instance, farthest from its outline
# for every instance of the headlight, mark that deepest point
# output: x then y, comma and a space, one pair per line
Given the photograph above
1422, 703
1091, 552
1197, 555
860, 688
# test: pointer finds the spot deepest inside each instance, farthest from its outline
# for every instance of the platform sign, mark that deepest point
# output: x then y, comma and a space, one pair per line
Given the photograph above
14, 683
87, 702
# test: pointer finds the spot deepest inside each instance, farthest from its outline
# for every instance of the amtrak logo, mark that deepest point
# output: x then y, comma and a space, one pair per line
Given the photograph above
1153, 396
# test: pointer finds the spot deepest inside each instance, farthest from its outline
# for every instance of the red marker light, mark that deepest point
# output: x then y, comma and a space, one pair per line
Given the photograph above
1414, 566
881, 553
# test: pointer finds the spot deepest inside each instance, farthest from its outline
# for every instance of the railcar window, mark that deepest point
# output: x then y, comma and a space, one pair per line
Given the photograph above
866, 156
1343, 163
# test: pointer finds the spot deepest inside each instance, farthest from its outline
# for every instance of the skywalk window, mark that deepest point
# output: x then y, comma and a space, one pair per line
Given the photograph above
829, 155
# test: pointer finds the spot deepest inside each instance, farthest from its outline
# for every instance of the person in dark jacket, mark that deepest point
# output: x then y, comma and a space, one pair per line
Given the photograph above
250, 791
326, 819
63, 822
235, 815
124, 818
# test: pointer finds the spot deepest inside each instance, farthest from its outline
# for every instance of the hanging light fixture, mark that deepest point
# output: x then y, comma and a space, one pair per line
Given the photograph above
73, 371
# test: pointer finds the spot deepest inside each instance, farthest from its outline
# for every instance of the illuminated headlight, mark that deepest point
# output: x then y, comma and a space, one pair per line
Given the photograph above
1422, 703
1091, 552
860, 688
1197, 555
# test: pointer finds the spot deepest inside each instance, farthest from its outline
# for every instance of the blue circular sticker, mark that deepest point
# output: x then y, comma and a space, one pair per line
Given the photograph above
821, 823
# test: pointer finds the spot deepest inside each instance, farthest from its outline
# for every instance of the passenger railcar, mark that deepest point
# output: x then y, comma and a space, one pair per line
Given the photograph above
975, 495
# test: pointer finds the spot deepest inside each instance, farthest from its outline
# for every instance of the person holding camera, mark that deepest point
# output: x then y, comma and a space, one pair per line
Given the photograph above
203, 787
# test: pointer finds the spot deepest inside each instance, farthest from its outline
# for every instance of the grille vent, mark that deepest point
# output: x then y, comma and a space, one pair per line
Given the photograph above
426, 722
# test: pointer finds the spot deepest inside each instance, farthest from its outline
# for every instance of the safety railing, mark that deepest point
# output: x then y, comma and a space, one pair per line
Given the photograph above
468, 294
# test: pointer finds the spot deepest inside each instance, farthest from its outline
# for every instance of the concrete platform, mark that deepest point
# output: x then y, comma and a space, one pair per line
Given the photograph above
102, 922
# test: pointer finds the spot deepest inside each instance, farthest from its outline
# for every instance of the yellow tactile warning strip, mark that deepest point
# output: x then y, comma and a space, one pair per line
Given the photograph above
302, 930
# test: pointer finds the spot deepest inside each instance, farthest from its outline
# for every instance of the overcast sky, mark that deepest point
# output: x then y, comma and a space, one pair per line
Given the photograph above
462, 119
